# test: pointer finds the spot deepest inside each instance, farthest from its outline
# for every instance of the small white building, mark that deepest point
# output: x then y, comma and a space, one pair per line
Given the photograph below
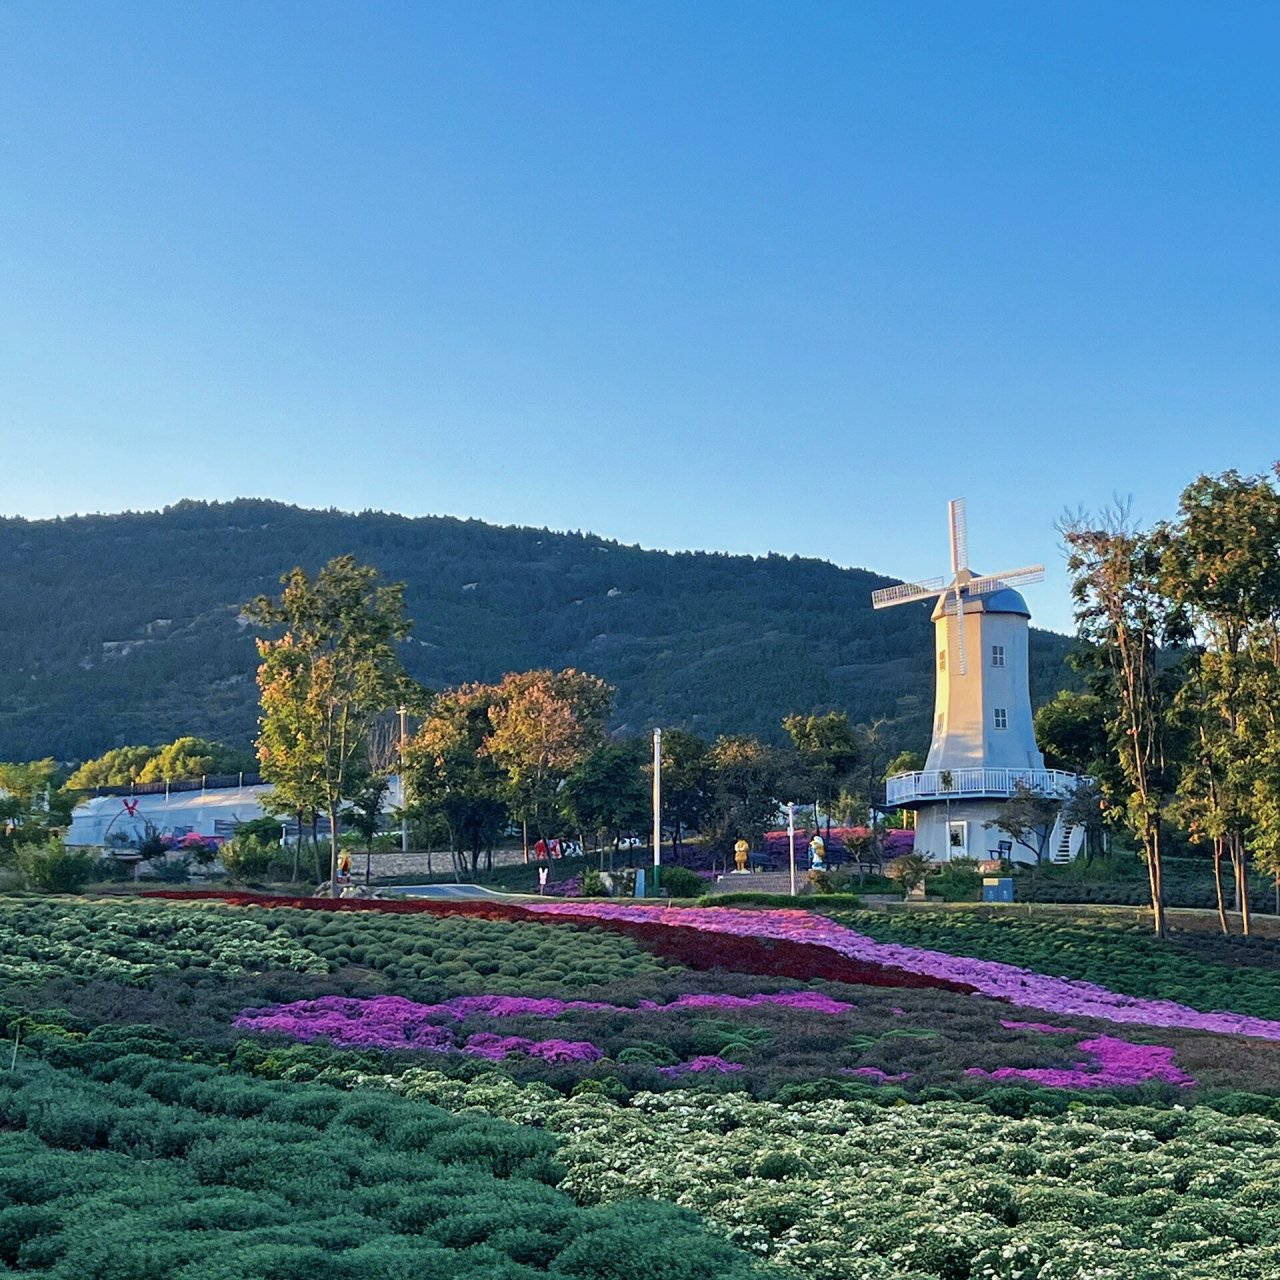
124, 816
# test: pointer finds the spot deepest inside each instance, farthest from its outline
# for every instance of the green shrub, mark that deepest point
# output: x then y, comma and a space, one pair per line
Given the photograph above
249, 856
680, 882
53, 868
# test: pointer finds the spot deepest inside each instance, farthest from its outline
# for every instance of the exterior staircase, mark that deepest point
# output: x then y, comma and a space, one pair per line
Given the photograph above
1062, 850
762, 882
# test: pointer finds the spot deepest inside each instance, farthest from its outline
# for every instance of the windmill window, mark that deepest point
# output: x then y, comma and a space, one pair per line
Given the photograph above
942, 659
939, 722
997, 655
1002, 718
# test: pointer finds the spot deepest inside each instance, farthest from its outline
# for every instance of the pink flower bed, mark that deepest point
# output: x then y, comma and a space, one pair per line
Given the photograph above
1063, 996
1110, 1062
485, 1044
707, 1062
392, 1022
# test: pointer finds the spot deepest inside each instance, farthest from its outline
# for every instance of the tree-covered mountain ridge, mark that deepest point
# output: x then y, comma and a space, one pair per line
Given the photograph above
128, 628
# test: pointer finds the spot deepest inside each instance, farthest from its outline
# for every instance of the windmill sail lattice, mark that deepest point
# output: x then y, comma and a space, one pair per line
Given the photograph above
963, 585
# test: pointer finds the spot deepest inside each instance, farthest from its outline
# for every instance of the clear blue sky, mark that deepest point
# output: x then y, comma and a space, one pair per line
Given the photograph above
736, 276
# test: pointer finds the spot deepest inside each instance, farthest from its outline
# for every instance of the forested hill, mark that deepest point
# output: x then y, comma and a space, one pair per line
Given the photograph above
125, 628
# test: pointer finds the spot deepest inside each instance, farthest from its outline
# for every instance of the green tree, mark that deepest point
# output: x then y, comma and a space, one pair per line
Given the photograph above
905, 762
342, 672
451, 775
829, 751
543, 724
606, 793
1123, 613
289, 739
1071, 730
1221, 565
748, 779
33, 807
193, 758
115, 768
1027, 818
364, 815
686, 784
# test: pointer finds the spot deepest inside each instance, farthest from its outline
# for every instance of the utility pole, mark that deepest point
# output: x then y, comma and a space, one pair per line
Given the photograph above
657, 809
404, 795
791, 844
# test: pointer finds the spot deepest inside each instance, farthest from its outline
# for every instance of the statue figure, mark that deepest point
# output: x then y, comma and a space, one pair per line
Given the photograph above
817, 854
740, 852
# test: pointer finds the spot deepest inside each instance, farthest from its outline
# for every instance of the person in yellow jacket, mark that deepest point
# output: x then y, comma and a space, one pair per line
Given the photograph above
344, 867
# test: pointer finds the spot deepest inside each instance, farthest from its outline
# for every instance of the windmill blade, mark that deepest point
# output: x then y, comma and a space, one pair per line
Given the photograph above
955, 630
907, 593
959, 535
1013, 578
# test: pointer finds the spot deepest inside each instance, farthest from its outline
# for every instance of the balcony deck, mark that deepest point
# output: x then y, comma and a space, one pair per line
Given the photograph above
907, 789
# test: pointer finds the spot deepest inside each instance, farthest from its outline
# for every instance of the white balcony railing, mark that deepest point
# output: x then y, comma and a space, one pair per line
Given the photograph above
957, 784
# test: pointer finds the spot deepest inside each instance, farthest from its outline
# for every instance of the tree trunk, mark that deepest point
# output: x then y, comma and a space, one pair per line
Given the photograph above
1217, 884
368, 864
1155, 877
332, 812
524, 829
315, 848
297, 852
1241, 857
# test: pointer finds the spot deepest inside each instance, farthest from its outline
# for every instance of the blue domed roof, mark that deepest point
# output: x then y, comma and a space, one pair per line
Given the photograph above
1004, 600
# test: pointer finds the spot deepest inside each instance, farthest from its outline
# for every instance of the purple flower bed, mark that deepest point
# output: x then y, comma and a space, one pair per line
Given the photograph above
485, 1044
394, 1023
706, 1062
1110, 1062
1064, 996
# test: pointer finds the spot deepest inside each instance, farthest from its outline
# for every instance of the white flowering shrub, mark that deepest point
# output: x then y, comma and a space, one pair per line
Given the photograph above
842, 1190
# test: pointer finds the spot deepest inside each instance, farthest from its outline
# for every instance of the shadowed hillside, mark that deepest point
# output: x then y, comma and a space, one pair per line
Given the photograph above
126, 628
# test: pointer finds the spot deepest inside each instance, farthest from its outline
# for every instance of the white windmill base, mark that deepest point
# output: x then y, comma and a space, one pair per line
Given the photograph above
959, 830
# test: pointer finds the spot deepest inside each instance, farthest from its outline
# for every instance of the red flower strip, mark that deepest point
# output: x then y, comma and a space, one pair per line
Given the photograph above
691, 947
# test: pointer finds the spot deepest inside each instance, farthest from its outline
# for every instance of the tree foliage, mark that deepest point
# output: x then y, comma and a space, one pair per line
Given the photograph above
1027, 818
544, 723
326, 680
1124, 614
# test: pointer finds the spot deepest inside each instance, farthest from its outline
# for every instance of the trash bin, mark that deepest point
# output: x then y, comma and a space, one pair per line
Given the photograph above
997, 888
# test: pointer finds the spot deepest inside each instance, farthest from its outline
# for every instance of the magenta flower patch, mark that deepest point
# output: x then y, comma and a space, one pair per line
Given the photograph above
1109, 1063
394, 1023
485, 1044
707, 1062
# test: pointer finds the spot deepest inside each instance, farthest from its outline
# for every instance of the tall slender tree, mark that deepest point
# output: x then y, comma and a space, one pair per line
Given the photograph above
451, 774
1220, 563
1122, 610
341, 672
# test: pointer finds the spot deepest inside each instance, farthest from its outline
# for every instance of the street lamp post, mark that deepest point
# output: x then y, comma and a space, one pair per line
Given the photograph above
404, 795
657, 809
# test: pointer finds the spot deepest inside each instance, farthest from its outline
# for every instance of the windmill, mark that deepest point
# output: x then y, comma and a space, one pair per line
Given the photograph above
964, 584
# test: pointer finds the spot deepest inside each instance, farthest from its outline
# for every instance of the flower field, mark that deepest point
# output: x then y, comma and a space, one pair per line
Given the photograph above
598, 1089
